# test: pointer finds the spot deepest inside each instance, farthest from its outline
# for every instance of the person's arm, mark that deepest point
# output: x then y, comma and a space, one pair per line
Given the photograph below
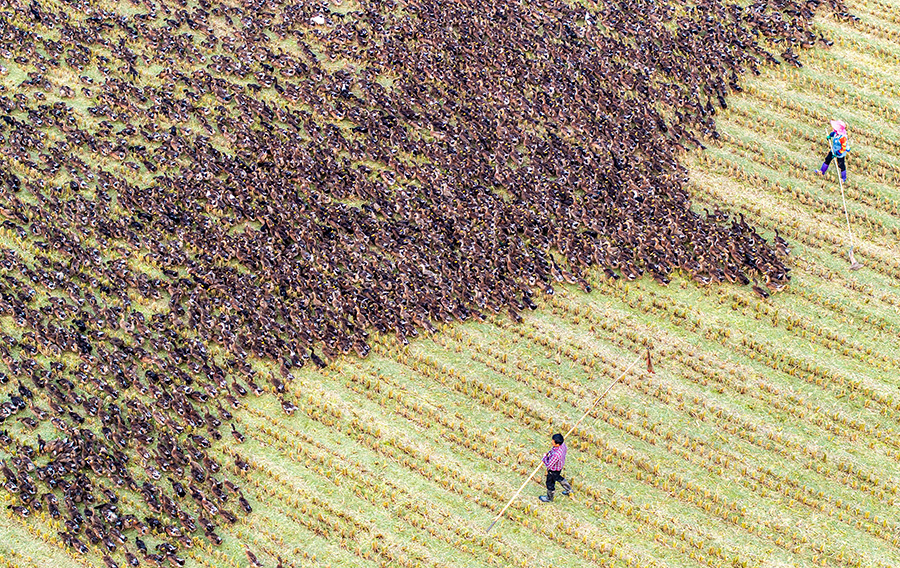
552, 459
843, 145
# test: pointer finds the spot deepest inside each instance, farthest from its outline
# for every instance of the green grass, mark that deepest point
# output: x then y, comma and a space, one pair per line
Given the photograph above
769, 435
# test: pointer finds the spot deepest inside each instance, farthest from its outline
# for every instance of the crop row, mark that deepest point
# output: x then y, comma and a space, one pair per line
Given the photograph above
800, 327
378, 491
862, 193
811, 237
696, 495
716, 459
886, 266
416, 460
823, 87
190, 544
646, 472
315, 514
610, 454
870, 27
881, 10
859, 76
779, 361
412, 458
603, 321
765, 95
487, 451
38, 532
869, 481
852, 315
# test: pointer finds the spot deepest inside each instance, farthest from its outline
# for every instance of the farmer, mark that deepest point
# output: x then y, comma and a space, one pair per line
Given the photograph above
838, 141
554, 462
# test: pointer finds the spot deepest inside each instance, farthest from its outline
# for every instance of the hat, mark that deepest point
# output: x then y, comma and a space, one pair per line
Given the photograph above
839, 126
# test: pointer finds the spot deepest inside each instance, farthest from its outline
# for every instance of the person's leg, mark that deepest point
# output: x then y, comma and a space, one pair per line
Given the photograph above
552, 476
567, 487
828, 158
843, 167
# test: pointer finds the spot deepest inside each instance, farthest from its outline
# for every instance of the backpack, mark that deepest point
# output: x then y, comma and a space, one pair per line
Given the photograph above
836, 145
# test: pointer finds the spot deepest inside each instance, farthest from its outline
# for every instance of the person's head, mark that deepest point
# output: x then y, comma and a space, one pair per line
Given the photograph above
557, 439
839, 126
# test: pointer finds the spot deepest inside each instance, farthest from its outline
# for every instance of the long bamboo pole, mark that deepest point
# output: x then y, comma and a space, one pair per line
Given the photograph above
853, 264
572, 429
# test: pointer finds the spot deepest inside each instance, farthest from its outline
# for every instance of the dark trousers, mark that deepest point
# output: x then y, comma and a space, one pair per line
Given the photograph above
552, 478
841, 165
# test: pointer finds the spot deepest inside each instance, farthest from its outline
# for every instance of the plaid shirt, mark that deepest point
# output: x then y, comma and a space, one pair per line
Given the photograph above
555, 458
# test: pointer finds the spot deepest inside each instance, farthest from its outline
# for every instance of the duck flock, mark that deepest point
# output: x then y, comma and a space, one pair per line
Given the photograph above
189, 188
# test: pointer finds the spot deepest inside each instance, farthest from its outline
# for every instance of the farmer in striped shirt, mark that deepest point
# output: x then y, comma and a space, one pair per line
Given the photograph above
554, 462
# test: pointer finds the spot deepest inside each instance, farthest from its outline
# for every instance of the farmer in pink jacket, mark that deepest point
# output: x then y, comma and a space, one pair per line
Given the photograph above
838, 142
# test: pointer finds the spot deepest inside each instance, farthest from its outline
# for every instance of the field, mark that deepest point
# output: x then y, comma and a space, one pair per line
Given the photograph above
768, 436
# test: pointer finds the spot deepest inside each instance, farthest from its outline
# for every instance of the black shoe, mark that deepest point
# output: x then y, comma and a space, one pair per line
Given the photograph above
567, 487
547, 498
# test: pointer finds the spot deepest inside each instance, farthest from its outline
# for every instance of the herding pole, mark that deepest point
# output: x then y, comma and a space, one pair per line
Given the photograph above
572, 429
853, 264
